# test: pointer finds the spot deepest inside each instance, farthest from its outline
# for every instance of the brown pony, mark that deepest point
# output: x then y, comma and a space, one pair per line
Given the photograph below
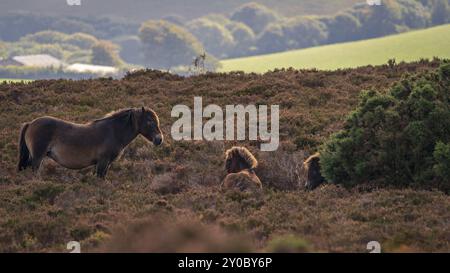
76, 146
312, 169
240, 165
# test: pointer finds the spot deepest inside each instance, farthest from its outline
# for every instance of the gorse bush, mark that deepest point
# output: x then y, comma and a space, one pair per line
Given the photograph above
398, 138
442, 156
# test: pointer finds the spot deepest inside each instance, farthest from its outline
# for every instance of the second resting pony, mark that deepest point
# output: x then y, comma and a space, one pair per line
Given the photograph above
76, 146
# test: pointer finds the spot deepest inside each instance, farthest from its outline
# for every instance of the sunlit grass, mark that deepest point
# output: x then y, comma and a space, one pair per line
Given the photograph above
410, 46
14, 80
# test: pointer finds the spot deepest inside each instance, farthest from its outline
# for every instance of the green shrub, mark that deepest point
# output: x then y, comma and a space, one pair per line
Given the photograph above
396, 138
442, 158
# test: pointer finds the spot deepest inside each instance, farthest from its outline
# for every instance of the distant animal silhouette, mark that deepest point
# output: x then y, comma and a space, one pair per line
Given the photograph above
312, 169
76, 146
240, 165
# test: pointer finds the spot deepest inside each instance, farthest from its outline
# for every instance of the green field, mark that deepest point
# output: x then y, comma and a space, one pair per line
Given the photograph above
14, 80
408, 46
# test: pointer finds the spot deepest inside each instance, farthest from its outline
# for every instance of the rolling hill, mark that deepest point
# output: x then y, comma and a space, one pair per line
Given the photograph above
409, 46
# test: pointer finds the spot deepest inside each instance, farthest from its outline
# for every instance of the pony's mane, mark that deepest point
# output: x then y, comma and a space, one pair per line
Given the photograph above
114, 114
315, 156
244, 153
154, 115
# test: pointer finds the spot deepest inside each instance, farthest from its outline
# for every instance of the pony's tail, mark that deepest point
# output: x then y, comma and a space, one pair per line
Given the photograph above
24, 153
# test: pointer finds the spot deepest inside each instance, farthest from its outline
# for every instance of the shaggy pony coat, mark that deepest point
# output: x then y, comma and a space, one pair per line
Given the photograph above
312, 170
239, 165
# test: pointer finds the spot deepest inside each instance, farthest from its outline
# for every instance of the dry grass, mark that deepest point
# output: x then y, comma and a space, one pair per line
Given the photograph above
177, 185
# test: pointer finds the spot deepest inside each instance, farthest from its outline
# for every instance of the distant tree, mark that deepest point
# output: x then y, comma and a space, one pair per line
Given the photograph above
3, 50
29, 48
109, 27
70, 26
377, 21
77, 47
440, 13
413, 14
216, 38
426, 3
45, 37
255, 15
81, 40
16, 24
105, 53
272, 39
305, 32
241, 32
78, 57
166, 45
219, 18
297, 32
130, 49
244, 39
343, 27
242, 36
174, 19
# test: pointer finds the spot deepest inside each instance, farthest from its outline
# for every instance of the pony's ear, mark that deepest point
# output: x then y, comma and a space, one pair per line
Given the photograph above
143, 109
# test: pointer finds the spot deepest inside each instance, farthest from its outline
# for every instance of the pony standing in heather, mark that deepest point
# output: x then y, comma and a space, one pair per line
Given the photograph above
76, 146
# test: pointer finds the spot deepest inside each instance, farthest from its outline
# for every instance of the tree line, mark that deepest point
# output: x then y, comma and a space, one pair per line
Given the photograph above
173, 43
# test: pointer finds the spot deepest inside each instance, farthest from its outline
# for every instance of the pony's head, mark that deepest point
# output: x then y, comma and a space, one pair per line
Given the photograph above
238, 159
147, 124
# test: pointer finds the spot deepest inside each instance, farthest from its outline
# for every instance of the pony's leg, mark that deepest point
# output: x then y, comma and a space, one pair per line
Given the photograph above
38, 154
36, 163
102, 168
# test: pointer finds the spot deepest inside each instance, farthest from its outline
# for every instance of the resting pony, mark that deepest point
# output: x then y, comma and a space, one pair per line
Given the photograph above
240, 165
76, 146
312, 169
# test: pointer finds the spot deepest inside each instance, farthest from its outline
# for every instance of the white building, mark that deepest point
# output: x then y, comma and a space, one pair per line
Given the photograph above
90, 68
39, 60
